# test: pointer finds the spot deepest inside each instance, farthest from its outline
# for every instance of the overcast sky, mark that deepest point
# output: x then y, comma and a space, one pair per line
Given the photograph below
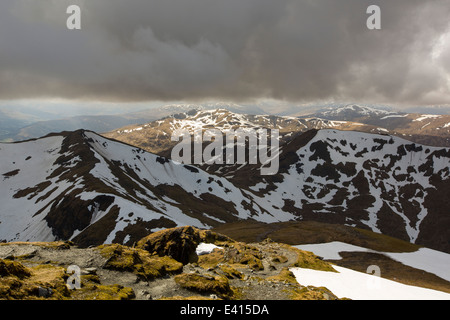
236, 50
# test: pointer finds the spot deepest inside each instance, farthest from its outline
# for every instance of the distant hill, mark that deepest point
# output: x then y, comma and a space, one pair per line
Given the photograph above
428, 129
15, 126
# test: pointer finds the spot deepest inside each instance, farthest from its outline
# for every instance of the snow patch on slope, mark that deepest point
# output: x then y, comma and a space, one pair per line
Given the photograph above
347, 283
429, 260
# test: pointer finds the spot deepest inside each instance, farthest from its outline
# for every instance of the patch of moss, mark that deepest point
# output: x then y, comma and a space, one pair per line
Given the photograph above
8, 287
90, 278
13, 268
243, 254
311, 293
15, 289
37, 282
309, 260
218, 285
230, 272
138, 261
51, 281
254, 262
212, 259
120, 257
155, 267
234, 253
93, 291
285, 275
218, 239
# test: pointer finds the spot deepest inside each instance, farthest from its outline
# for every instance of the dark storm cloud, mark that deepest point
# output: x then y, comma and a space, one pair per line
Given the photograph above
296, 50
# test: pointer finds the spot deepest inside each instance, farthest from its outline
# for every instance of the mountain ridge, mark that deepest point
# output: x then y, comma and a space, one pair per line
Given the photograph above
429, 129
82, 186
18, 127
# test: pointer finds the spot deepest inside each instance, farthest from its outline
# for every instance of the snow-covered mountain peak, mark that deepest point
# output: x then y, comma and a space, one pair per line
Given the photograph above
353, 110
84, 187
213, 105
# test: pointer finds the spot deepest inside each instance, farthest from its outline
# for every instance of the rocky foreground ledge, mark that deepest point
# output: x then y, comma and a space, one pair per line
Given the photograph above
163, 265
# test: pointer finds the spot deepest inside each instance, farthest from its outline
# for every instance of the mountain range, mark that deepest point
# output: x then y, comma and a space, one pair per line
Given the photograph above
27, 123
93, 189
429, 129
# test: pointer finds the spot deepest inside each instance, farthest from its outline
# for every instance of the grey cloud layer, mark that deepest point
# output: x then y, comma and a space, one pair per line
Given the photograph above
229, 49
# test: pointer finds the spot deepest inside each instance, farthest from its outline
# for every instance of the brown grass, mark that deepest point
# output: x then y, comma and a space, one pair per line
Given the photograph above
307, 232
205, 284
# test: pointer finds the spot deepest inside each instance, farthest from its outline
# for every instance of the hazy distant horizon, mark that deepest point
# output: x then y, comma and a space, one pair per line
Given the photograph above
60, 109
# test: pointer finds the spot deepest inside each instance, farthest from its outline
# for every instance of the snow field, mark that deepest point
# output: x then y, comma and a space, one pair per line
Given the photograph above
364, 286
347, 283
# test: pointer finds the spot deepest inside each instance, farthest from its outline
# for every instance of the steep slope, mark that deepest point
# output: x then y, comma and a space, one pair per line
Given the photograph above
387, 184
83, 187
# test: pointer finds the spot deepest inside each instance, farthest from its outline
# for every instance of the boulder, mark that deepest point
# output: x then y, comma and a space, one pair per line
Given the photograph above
179, 243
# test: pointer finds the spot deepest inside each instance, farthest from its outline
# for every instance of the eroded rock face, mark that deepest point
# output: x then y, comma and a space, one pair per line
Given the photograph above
179, 243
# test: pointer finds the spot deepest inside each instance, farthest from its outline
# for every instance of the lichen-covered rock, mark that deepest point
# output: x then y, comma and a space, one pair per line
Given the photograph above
236, 271
138, 261
179, 243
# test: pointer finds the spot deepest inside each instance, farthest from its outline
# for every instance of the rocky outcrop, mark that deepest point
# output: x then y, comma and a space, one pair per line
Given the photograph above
179, 243
232, 271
